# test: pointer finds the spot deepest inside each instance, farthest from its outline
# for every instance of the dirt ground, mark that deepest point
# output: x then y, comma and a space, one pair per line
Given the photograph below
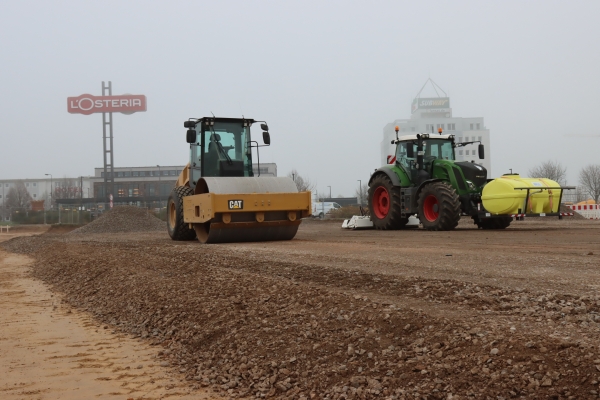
332, 314
52, 351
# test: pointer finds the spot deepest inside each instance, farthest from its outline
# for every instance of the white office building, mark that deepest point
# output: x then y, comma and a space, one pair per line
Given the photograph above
428, 114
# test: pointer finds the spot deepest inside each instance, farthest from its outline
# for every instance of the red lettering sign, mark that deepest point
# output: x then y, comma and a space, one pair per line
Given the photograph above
88, 104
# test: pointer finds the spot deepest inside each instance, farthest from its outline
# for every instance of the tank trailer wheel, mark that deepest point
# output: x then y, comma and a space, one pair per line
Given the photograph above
178, 230
494, 223
384, 204
439, 207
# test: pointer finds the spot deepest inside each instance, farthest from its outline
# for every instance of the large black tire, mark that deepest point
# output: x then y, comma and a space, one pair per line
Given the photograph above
385, 205
178, 230
493, 223
439, 207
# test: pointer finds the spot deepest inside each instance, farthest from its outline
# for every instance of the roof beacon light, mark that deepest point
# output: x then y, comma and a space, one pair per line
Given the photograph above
396, 128
440, 130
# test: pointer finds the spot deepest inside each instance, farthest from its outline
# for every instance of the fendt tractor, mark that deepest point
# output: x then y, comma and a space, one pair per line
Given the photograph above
425, 179
217, 198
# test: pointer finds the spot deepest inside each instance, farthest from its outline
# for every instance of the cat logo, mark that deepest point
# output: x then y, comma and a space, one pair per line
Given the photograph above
236, 204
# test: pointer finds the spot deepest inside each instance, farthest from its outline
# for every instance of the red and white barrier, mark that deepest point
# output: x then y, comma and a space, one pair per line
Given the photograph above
589, 211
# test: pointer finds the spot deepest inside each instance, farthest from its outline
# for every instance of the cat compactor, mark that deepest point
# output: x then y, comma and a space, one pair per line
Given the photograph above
218, 199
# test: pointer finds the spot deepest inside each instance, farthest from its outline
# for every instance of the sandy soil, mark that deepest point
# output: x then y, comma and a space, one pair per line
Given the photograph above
52, 351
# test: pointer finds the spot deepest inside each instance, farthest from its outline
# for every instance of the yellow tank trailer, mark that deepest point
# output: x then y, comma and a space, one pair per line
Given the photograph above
509, 195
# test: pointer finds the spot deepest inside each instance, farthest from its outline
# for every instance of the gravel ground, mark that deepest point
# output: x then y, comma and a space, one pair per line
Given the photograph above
122, 219
346, 314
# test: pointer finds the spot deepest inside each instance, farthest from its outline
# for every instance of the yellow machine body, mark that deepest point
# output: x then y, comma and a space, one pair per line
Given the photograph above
202, 208
240, 209
508, 195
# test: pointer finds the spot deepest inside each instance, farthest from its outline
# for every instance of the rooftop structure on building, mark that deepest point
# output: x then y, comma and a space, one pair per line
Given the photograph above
428, 114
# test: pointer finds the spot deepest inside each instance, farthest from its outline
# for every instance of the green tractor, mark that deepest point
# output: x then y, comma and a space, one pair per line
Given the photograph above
425, 179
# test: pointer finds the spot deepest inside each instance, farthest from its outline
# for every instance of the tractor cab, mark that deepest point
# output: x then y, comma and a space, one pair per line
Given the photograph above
221, 147
433, 148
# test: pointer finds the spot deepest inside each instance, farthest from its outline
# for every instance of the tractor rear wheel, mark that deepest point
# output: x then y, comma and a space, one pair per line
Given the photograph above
385, 205
494, 223
439, 207
178, 230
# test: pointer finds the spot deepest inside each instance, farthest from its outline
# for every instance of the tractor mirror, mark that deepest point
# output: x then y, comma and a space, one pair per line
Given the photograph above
264, 127
266, 137
410, 151
189, 124
191, 136
481, 152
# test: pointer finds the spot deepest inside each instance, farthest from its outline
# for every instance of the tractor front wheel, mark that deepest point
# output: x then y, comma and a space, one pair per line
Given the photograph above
439, 207
385, 205
178, 230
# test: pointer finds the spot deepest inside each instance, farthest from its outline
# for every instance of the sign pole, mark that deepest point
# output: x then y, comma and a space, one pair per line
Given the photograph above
109, 178
106, 104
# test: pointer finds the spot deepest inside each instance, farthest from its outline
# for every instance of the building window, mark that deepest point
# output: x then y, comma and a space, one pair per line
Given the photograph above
34, 195
480, 138
136, 173
451, 127
26, 184
471, 126
460, 152
119, 174
478, 126
0, 196
6, 185
127, 173
34, 184
429, 128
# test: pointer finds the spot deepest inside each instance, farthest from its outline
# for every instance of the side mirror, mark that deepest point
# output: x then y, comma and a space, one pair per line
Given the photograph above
264, 127
266, 137
189, 124
410, 151
481, 152
191, 136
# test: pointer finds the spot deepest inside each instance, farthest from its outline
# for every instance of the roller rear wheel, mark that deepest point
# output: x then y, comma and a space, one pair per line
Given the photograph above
178, 230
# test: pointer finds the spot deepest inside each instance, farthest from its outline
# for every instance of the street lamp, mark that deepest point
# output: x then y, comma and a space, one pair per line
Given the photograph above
51, 189
360, 191
3, 202
159, 188
329, 192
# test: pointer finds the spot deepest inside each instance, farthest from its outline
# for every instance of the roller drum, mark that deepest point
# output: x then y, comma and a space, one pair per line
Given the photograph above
246, 228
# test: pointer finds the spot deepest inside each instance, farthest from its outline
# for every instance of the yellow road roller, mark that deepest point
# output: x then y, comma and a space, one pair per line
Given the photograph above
217, 198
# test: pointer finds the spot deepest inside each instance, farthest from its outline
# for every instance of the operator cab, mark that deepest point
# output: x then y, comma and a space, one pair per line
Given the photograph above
434, 148
221, 147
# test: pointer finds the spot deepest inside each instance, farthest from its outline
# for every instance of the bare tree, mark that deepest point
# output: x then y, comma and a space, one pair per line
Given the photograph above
362, 194
589, 179
302, 183
18, 196
551, 170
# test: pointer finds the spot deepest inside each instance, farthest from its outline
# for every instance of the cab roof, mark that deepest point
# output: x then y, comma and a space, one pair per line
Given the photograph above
431, 136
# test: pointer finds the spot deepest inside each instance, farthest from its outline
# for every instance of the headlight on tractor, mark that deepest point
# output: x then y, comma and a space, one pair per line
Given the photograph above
471, 185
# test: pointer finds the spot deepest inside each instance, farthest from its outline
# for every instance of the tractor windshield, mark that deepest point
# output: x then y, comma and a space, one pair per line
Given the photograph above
433, 149
226, 150
438, 149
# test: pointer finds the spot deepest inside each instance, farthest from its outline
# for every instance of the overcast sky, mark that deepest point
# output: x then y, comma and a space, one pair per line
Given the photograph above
326, 75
